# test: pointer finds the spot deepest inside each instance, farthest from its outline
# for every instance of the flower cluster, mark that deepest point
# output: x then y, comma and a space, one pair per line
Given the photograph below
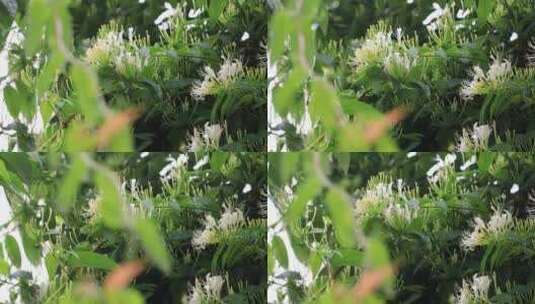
231, 218
441, 168
482, 82
474, 291
206, 139
111, 48
499, 222
474, 140
212, 82
205, 291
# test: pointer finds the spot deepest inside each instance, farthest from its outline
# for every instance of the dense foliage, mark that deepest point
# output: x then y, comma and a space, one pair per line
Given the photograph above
163, 229
442, 71
458, 228
143, 75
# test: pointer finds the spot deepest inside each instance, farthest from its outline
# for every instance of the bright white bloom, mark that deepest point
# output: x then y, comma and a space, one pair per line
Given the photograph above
194, 13
144, 154
373, 48
470, 162
410, 1
201, 163
411, 154
141, 1
377, 194
475, 140
231, 218
205, 291
174, 166
461, 14
164, 19
440, 168
207, 139
499, 222
514, 188
432, 21
475, 291
482, 83
229, 70
247, 188
245, 36
514, 36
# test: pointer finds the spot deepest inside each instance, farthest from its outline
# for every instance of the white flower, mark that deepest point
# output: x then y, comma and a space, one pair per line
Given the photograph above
247, 188
228, 71
163, 20
212, 134
481, 82
173, 167
245, 36
440, 168
411, 154
205, 291
470, 162
514, 36
475, 140
514, 189
410, 1
432, 21
231, 218
406, 213
499, 222
194, 13
475, 291
461, 14
144, 154
201, 163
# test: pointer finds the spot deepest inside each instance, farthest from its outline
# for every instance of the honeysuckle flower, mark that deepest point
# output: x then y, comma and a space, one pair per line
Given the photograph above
201, 163
228, 71
164, 19
173, 166
499, 222
194, 13
245, 36
205, 291
231, 218
482, 82
474, 291
439, 169
474, 140
247, 188
431, 21
461, 14
514, 36
411, 154
470, 162
514, 189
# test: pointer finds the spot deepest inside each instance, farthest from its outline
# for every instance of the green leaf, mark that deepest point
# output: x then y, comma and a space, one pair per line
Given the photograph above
306, 192
280, 251
376, 253
485, 160
86, 86
342, 217
130, 296
484, 9
89, 259
281, 26
111, 202
4, 267
347, 257
71, 183
51, 263
32, 247
216, 8
324, 104
37, 17
153, 243
13, 101
13, 251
